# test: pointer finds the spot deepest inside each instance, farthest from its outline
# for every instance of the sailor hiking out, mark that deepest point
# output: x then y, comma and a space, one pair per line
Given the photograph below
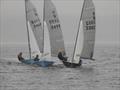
20, 58
63, 58
36, 58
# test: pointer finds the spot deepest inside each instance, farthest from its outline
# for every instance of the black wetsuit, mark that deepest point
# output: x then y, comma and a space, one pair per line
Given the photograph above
60, 56
20, 58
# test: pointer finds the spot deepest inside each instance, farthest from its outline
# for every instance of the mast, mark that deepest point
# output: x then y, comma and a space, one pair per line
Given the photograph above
78, 31
29, 46
43, 22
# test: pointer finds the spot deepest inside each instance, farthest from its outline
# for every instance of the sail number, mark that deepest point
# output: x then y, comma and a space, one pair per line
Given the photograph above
36, 23
54, 23
90, 25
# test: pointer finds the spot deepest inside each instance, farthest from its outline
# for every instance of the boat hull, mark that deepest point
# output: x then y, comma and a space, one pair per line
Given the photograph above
72, 65
41, 63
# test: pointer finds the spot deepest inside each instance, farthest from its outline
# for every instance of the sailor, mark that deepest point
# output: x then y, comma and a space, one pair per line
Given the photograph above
61, 54
20, 58
64, 59
36, 58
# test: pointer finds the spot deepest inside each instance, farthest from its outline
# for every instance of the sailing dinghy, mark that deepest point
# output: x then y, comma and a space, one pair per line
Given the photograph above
34, 27
50, 17
87, 25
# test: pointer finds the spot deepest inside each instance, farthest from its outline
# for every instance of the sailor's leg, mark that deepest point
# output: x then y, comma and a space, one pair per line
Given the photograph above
80, 62
65, 58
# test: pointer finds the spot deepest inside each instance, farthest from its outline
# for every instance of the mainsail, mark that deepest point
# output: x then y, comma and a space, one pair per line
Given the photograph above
54, 27
89, 27
35, 23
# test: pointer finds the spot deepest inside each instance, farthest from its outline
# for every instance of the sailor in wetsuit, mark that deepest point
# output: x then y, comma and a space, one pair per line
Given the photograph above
63, 58
36, 58
20, 58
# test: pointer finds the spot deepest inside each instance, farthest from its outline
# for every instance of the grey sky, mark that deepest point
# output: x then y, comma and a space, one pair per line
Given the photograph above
13, 27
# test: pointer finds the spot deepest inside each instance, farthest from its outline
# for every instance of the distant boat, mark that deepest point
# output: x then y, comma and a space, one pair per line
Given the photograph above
87, 25
35, 26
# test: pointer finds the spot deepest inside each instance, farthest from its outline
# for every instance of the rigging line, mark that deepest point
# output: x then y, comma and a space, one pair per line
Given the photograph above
29, 46
78, 31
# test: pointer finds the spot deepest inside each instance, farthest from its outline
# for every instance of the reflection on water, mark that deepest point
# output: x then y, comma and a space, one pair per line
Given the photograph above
101, 74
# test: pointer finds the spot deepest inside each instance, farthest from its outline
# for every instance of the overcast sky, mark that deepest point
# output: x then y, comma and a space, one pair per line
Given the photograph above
13, 26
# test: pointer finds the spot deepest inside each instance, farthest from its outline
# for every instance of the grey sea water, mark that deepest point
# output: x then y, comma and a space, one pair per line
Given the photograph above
102, 74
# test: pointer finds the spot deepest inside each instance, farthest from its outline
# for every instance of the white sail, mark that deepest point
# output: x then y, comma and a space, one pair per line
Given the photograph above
79, 45
89, 27
54, 27
47, 49
33, 44
35, 23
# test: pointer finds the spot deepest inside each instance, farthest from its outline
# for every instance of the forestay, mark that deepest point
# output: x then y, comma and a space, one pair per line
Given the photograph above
54, 27
35, 23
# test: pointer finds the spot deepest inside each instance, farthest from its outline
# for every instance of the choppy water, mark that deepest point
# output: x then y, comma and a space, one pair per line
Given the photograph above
102, 74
